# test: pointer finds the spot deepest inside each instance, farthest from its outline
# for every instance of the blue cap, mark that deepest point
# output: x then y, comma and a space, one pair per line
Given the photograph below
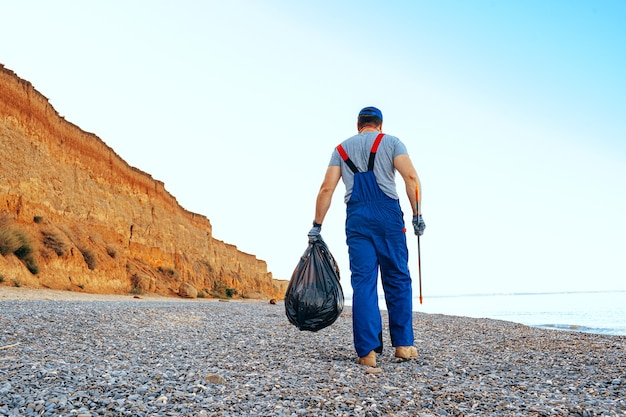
371, 111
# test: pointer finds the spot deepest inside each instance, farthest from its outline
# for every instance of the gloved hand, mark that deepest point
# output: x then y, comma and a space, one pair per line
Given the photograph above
418, 225
314, 233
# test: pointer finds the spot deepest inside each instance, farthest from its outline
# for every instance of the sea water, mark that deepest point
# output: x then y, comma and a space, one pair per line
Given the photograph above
592, 312
602, 312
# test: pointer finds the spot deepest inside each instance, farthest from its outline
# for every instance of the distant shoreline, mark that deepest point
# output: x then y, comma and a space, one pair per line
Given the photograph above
504, 294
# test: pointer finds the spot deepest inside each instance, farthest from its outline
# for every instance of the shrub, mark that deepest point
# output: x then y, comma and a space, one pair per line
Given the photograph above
169, 272
219, 289
9, 241
89, 257
55, 241
230, 292
32, 266
137, 284
1, 278
15, 242
37, 219
24, 251
111, 252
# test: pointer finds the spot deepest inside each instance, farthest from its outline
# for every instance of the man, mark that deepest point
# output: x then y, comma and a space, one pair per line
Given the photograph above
375, 232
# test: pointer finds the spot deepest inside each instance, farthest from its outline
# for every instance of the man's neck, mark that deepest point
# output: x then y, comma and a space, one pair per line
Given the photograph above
367, 129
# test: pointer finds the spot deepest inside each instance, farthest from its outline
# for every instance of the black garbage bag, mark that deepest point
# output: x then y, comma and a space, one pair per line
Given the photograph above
314, 297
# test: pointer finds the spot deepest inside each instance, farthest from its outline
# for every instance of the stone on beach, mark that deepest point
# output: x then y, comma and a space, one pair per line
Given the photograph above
186, 358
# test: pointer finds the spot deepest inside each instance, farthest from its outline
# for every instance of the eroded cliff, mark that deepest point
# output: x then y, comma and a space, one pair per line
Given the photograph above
75, 216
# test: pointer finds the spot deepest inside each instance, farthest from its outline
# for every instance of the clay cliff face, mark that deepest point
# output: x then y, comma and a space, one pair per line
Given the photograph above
75, 216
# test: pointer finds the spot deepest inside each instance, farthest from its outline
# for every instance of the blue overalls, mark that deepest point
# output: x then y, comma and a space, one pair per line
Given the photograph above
376, 237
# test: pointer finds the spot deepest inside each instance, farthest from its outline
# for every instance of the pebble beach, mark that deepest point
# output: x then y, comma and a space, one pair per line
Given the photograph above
73, 354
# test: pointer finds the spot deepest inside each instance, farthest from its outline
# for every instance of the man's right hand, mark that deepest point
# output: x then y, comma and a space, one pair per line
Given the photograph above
418, 225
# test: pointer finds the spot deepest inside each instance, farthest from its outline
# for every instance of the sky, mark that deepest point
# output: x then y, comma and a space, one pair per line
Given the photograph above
513, 112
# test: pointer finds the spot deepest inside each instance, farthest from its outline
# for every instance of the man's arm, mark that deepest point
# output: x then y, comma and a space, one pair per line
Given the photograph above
325, 195
412, 182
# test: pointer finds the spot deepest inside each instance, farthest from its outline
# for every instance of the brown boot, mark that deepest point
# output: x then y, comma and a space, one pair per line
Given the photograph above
406, 352
368, 360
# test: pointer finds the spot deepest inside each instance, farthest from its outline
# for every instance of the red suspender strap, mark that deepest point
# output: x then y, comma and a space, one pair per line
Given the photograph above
377, 142
347, 159
342, 152
370, 164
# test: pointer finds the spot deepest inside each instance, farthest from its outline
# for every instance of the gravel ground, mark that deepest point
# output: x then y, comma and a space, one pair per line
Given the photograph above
205, 358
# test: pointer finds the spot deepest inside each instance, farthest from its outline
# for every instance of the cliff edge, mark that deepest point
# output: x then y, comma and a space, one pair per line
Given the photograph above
75, 216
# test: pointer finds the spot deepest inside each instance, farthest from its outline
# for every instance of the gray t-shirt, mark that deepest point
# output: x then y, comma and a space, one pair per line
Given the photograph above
358, 148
